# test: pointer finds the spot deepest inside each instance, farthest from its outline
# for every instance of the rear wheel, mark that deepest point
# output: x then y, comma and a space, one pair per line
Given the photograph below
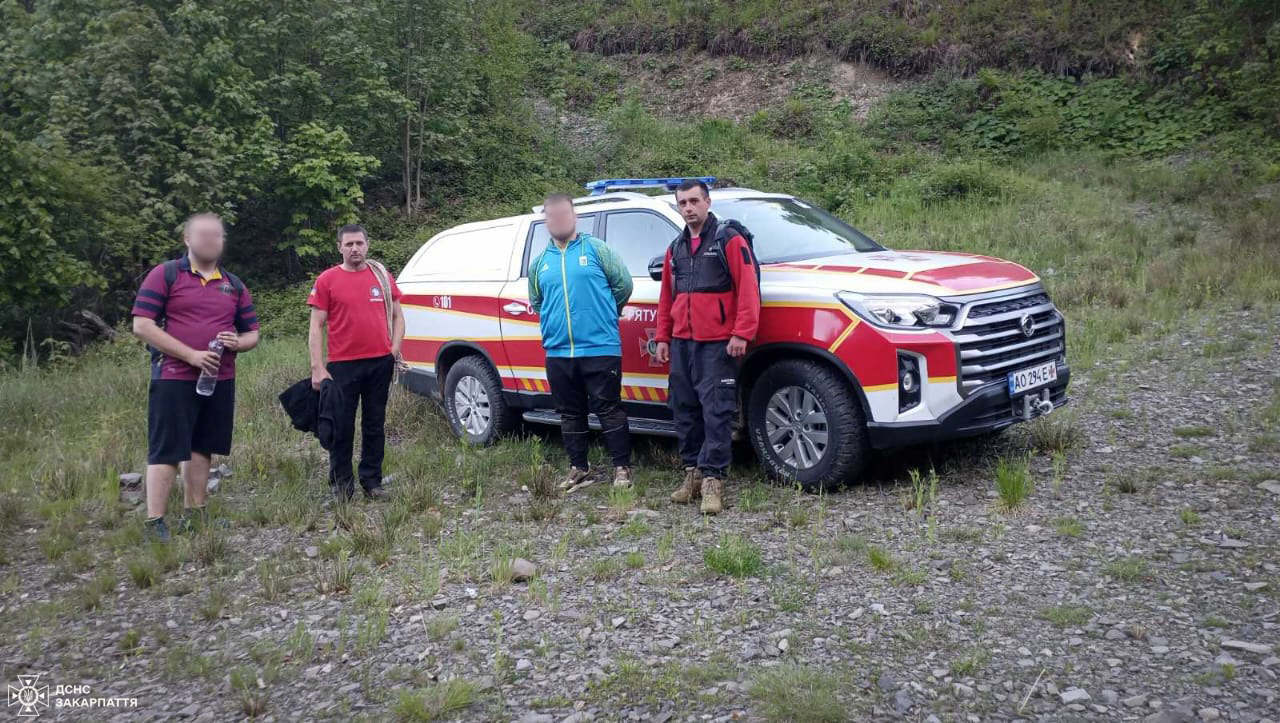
806, 426
473, 402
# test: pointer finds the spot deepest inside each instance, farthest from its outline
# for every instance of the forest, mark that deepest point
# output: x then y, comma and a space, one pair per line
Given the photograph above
118, 119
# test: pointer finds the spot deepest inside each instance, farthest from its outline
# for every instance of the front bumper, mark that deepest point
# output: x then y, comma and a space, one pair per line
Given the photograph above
987, 409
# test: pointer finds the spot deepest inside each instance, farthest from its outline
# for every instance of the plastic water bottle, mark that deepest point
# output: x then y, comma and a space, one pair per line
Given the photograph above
207, 381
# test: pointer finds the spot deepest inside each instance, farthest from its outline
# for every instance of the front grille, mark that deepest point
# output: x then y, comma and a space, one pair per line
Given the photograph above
991, 342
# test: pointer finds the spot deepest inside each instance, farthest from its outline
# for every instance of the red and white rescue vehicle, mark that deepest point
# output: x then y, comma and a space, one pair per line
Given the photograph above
859, 346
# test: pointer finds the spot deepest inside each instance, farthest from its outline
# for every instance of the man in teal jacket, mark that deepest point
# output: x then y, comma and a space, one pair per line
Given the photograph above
578, 286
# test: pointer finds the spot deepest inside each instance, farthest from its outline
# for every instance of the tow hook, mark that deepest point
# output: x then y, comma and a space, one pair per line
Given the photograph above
1036, 405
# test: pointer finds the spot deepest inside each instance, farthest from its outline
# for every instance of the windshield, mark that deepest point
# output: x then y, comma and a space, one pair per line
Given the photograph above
787, 229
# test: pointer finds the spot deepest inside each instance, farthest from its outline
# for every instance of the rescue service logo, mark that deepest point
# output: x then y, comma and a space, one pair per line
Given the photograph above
31, 697
375, 292
649, 347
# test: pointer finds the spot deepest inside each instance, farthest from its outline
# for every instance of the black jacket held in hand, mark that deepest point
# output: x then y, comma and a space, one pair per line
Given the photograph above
312, 411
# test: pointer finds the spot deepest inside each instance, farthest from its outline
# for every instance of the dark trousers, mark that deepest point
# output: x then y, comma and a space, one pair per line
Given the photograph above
366, 382
590, 384
704, 402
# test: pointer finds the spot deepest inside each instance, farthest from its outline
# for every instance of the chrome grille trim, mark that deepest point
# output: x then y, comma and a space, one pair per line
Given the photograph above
990, 342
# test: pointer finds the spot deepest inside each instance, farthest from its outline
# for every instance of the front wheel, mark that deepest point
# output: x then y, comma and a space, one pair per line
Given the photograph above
473, 402
806, 426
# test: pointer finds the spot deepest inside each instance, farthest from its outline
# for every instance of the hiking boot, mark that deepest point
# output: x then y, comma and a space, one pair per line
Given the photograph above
377, 494
576, 480
621, 476
690, 490
712, 488
157, 530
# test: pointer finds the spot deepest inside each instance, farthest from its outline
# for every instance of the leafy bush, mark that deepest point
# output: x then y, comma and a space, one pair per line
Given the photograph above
956, 181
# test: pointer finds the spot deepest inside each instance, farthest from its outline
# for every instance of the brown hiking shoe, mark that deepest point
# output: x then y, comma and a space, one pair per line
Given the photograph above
690, 490
712, 488
576, 479
621, 476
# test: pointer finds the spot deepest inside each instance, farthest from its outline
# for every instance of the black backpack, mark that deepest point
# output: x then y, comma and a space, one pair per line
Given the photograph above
723, 235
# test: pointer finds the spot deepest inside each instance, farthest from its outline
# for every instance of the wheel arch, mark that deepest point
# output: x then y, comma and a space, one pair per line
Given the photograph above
760, 358
452, 351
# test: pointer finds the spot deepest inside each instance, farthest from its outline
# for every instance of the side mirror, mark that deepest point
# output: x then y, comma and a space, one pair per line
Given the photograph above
655, 267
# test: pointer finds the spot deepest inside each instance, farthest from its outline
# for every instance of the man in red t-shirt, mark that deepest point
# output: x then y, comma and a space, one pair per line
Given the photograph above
350, 302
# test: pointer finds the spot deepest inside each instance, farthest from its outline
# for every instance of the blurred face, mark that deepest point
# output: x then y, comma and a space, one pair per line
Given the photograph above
694, 206
354, 248
205, 238
562, 222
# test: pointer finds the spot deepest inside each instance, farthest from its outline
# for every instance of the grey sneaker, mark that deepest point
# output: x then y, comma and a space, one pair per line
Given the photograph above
574, 478
621, 476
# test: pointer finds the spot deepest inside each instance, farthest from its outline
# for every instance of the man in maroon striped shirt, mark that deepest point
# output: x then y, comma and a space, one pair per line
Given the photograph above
182, 306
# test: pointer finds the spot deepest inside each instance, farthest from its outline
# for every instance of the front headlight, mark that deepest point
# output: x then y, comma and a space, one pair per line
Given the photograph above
901, 311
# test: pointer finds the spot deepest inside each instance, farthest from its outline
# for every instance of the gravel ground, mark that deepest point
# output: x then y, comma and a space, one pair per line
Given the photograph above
1139, 581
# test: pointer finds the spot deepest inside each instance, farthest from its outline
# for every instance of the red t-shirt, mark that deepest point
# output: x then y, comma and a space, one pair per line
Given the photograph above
357, 314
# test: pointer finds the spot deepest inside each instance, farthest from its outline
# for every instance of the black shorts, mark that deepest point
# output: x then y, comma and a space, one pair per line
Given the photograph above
180, 422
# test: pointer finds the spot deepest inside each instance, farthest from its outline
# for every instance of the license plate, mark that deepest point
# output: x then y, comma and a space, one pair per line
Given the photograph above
1032, 377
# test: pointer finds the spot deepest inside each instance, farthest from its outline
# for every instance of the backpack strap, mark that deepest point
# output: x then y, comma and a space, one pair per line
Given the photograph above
384, 282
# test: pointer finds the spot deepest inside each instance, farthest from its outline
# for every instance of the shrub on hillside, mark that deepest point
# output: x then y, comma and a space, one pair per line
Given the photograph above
956, 181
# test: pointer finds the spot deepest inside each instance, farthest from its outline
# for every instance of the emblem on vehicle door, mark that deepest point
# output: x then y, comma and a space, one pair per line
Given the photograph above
1028, 325
649, 347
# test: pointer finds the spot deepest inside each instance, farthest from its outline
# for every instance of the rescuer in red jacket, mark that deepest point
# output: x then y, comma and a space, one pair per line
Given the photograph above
708, 310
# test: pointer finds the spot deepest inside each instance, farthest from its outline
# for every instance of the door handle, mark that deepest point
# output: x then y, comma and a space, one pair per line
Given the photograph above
516, 308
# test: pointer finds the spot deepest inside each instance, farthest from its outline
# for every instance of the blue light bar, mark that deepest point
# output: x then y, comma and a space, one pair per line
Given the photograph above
605, 185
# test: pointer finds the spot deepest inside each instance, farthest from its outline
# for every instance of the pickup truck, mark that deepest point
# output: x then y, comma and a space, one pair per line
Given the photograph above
860, 347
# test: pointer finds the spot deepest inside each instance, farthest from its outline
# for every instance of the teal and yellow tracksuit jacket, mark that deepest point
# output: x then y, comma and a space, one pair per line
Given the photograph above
578, 294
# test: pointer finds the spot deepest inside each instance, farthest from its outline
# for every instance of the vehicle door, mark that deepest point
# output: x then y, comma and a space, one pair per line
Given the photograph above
450, 293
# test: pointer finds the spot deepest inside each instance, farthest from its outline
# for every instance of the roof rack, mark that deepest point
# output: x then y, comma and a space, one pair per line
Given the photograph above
605, 185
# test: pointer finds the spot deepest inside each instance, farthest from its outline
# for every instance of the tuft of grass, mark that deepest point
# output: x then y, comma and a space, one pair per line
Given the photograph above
211, 547
435, 702
604, 569
753, 498
1069, 527
270, 579
131, 641
213, 605
333, 577
799, 694
634, 560
1055, 433
1189, 516
734, 556
1065, 615
880, 559
1185, 451
89, 596
439, 628
143, 571
967, 535
244, 686
971, 663
923, 494
1013, 482
1125, 483
502, 568
1194, 431
1128, 569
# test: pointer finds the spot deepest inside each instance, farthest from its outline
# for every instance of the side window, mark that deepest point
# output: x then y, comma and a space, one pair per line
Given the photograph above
638, 236
539, 238
476, 255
